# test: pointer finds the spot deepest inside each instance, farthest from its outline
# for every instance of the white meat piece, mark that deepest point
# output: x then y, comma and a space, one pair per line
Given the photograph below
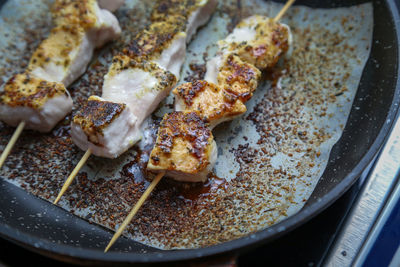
141, 86
185, 148
199, 16
172, 57
200, 176
66, 53
41, 104
107, 134
107, 28
51, 64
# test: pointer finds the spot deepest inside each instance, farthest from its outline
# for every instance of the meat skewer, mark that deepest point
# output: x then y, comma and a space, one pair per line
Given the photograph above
191, 135
138, 79
38, 99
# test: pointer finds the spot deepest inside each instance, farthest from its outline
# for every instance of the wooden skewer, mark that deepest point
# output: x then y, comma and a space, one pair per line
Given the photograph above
134, 210
161, 174
283, 10
73, 174
11, 143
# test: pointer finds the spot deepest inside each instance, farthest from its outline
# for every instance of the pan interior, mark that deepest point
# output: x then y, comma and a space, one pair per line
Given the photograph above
374, 95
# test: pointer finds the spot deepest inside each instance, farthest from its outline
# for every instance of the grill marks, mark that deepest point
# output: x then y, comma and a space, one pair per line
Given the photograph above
150, 43
211, 102
25, 90
78, 13
96, 115
184, 142
238, 78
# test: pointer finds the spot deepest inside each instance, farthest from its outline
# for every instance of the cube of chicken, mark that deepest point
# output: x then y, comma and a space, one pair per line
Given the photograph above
105, 127
139, 85
41, 104
259, 41
196, 12
212, 103
163, 43
134, 87
81, 26
234, 76
185, 148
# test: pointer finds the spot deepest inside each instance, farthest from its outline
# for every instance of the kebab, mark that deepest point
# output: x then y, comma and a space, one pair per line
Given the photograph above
185, 149
138, 79
37, 99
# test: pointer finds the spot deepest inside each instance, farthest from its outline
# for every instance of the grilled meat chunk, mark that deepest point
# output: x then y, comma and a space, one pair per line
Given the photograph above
40, 103
195, 12
234, 76
134, 87
185, 148
139, 85
163, 43
212, 103
81, 26
105, 127
259, 41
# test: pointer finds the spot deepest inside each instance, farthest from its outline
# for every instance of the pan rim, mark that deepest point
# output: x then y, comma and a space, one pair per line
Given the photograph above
258, 238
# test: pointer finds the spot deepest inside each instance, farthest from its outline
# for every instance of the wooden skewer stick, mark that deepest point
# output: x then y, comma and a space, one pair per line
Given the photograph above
73, 174
134, 210
11, 143
283, 10
161, 174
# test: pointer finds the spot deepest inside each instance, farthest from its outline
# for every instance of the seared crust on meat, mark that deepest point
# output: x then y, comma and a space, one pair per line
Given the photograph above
122, 62
151, 42
75, 13
183, 144
28, 91
270, 43
210, 101
238, 78
57, 47
96, 115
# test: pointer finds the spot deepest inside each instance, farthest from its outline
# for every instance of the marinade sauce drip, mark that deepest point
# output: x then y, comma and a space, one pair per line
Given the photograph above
136, 168
196, 193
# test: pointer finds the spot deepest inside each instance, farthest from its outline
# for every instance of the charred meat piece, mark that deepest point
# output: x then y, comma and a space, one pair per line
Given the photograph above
105, 127
40, 103
163, 43
234, 76
259, 41
139, 85
212, 103
195, 12
185, 148
81, 26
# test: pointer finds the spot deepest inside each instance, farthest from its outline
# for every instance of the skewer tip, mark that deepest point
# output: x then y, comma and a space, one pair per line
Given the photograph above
134, 210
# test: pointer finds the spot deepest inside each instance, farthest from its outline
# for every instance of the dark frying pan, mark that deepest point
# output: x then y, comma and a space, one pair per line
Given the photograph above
63, 236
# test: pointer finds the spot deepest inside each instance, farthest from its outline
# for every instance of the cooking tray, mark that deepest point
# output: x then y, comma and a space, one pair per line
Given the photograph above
42, 227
